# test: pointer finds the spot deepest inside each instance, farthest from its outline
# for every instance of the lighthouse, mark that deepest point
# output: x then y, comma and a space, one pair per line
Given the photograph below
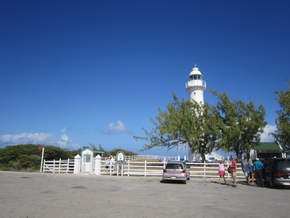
195, 87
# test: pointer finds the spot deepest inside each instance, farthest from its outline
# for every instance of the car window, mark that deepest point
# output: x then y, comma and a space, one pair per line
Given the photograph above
282, 164
174, 166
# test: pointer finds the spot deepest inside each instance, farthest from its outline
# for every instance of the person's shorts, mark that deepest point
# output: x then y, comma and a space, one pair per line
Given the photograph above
247, 174
234, 174
221, 172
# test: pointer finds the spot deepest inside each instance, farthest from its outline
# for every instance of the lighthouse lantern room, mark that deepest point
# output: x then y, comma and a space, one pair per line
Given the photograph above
195, 86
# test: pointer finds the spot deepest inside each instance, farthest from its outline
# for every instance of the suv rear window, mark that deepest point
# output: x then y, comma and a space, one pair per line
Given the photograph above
174, 166
282, 164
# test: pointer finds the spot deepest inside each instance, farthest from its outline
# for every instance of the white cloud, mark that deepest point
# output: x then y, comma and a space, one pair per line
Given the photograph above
119, 127
265, 137
34, 138
63, 140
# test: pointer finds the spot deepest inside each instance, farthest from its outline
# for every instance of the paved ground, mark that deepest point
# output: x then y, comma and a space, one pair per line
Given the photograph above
34, 195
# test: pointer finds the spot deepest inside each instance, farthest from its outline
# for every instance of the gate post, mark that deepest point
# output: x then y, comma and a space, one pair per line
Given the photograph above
98, 165
77, 164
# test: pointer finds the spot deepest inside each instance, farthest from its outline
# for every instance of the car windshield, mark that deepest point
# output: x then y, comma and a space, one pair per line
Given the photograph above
282, 164
174, 166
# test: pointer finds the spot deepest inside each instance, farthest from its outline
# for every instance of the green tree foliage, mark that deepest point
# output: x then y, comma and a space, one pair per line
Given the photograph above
94, 148
242, 124
184, 123
116, 150
282, 134
28, 156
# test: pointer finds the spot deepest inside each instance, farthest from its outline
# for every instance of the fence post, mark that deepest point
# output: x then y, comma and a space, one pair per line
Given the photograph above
67, 166
53, 168
145, 169
98, 165
128, 168
59, 165
77, 164
204, 169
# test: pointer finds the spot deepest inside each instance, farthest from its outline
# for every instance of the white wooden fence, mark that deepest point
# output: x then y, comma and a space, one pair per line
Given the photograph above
197, 170
58, 166
138, 168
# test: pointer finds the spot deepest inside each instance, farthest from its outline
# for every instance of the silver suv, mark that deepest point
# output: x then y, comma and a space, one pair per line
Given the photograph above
175, 171
277, 171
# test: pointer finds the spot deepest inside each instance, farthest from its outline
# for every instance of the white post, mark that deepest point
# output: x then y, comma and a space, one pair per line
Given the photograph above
67, 166
98, 165
145, 168
41, 162
59, 165
128, 171
77, 164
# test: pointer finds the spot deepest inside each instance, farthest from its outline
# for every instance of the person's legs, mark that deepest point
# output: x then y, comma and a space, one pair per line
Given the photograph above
248, 178
261, 182
253, 177
256, 176
234, 178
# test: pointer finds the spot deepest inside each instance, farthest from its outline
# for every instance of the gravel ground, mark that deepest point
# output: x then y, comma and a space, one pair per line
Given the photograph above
34, 195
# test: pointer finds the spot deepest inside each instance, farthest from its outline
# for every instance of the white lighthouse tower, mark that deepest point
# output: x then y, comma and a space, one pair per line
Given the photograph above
195, 87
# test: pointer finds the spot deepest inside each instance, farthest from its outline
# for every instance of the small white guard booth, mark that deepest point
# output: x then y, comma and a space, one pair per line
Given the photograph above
87, 161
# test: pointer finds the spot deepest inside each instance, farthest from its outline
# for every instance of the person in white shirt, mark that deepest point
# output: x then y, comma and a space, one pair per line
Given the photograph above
222, 171
112, 164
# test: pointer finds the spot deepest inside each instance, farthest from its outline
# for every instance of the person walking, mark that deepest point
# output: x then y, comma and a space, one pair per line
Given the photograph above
252, 173
258, 165
246, 169
107, 163
112, 164
233, 168
222, 171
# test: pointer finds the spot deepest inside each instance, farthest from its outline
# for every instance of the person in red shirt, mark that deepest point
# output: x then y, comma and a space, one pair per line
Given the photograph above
233, 167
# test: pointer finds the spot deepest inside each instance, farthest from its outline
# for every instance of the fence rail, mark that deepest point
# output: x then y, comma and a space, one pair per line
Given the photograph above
140, 168
58, 166
145, 168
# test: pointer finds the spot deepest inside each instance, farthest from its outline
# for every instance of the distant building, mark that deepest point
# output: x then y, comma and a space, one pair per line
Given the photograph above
267, 150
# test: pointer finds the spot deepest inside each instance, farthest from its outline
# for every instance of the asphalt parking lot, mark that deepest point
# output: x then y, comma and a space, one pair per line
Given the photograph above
34, 195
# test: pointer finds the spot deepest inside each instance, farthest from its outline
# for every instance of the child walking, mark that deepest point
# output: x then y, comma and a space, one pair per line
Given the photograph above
222, 171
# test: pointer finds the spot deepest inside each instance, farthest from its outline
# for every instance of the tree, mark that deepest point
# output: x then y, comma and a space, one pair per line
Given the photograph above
27, 156
184, 123
282, 134
242, 126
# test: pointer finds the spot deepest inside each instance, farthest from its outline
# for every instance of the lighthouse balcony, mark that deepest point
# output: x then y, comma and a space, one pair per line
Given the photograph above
195, 83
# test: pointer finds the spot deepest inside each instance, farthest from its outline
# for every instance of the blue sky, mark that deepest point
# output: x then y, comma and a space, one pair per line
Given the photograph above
80, 72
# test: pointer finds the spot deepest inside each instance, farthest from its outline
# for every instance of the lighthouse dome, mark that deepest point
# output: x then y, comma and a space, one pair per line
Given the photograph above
195, 74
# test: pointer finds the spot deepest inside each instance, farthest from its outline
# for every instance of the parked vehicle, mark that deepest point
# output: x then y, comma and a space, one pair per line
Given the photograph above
175, 171
277, 171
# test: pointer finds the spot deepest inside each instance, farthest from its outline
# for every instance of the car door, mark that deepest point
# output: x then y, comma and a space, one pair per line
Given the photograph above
268, 165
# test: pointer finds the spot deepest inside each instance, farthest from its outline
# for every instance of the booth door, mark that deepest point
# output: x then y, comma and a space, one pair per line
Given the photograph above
87, 163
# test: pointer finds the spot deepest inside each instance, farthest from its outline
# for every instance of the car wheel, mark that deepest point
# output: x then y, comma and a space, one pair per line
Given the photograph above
184, 181
188, 178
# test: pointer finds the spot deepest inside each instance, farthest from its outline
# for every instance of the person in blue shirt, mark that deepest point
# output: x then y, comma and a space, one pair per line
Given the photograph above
258, 165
